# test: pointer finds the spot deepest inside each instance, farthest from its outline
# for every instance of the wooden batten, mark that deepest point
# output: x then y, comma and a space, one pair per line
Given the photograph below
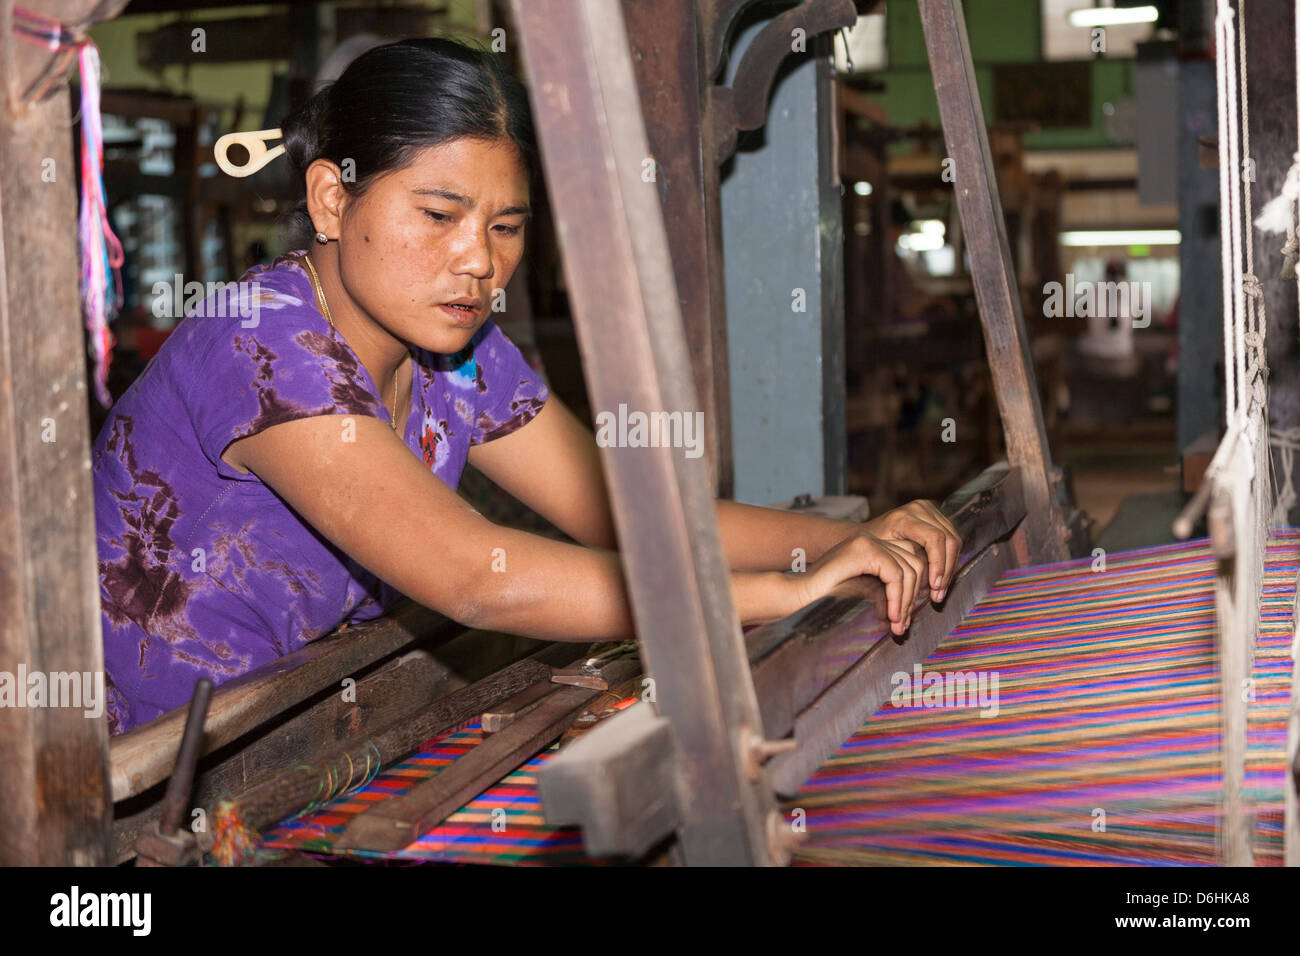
819, 673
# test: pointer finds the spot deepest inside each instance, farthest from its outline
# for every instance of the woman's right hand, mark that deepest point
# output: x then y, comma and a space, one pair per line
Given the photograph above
899, 564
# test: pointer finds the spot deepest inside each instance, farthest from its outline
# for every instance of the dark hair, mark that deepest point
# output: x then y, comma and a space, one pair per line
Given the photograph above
396, 99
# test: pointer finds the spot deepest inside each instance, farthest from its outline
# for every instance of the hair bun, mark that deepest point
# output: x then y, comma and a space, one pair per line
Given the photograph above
301, 131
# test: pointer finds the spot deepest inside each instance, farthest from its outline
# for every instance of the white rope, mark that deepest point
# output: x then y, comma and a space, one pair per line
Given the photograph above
1228, 210
1256, 316
1241, 463
1287, 442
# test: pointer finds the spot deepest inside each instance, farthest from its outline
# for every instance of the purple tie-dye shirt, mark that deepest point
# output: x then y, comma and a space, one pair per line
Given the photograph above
203, 570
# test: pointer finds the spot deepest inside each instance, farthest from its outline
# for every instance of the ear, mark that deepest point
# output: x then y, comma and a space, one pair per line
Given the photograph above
326, 197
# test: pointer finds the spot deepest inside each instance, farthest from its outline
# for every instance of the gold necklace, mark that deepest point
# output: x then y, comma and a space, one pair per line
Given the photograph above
325, 310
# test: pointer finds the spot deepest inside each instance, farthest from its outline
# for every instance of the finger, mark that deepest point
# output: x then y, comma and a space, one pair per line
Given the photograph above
891, 575
936, 552
930, 539
911, 568
916, 555
952, 552
952, 545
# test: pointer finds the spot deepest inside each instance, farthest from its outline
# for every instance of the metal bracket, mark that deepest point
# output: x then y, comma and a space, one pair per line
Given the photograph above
743, 105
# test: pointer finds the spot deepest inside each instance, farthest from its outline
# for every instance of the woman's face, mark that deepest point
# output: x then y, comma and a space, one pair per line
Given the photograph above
426, 248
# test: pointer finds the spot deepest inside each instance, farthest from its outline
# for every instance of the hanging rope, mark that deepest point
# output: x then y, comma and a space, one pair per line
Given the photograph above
1240, 468
1256, 317
101, 252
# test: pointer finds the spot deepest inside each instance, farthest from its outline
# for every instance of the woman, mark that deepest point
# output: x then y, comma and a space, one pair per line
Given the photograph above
265, 481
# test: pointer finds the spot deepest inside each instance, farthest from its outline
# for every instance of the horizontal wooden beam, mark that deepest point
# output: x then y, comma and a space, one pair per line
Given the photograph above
142, 757
799, 658
821, 727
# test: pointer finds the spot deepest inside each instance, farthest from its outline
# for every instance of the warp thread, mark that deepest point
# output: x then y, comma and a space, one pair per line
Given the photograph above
236, 843
101, 252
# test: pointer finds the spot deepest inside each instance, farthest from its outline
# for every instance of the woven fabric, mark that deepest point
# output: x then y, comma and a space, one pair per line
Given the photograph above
504, 825
1107, 700
1105, 746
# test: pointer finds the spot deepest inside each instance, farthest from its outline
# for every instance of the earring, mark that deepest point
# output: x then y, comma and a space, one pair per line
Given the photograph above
322, 238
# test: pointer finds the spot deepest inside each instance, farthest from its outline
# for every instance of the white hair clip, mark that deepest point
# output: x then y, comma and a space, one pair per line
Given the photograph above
258, 154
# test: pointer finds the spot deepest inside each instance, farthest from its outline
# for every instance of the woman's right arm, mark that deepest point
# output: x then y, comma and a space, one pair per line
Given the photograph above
379, 504
382, 506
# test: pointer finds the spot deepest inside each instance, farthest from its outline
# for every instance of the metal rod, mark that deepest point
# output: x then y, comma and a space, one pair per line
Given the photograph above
182, 779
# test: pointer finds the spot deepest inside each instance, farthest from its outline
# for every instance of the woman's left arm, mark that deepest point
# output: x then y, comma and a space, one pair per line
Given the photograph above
552, 465
764, 539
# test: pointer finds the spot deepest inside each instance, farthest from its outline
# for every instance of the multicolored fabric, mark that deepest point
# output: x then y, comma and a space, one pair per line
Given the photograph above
203, 569
1105, 745
1107, 700
504, 825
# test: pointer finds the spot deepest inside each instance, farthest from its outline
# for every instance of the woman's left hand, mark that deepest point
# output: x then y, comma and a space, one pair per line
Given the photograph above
924, 523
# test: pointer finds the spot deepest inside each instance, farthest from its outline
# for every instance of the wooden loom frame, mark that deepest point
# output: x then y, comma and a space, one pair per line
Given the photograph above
637, 778
714, 718
707, 740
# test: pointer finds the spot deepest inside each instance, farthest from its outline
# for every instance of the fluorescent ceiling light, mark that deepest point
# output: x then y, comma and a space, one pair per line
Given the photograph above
1112, 16
920, 242
1122, 237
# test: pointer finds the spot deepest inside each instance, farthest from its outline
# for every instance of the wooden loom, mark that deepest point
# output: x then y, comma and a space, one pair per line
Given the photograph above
727, 704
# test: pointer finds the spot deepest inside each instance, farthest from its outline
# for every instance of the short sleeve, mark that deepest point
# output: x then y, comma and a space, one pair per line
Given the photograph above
286, 365
510, 392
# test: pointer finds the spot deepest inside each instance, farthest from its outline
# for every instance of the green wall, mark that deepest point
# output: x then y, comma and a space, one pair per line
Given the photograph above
1001, 31
218, 83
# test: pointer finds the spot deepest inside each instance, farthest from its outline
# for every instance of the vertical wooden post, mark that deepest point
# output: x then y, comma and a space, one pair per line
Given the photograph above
993, 273
625, 303
54, 781
665, 41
